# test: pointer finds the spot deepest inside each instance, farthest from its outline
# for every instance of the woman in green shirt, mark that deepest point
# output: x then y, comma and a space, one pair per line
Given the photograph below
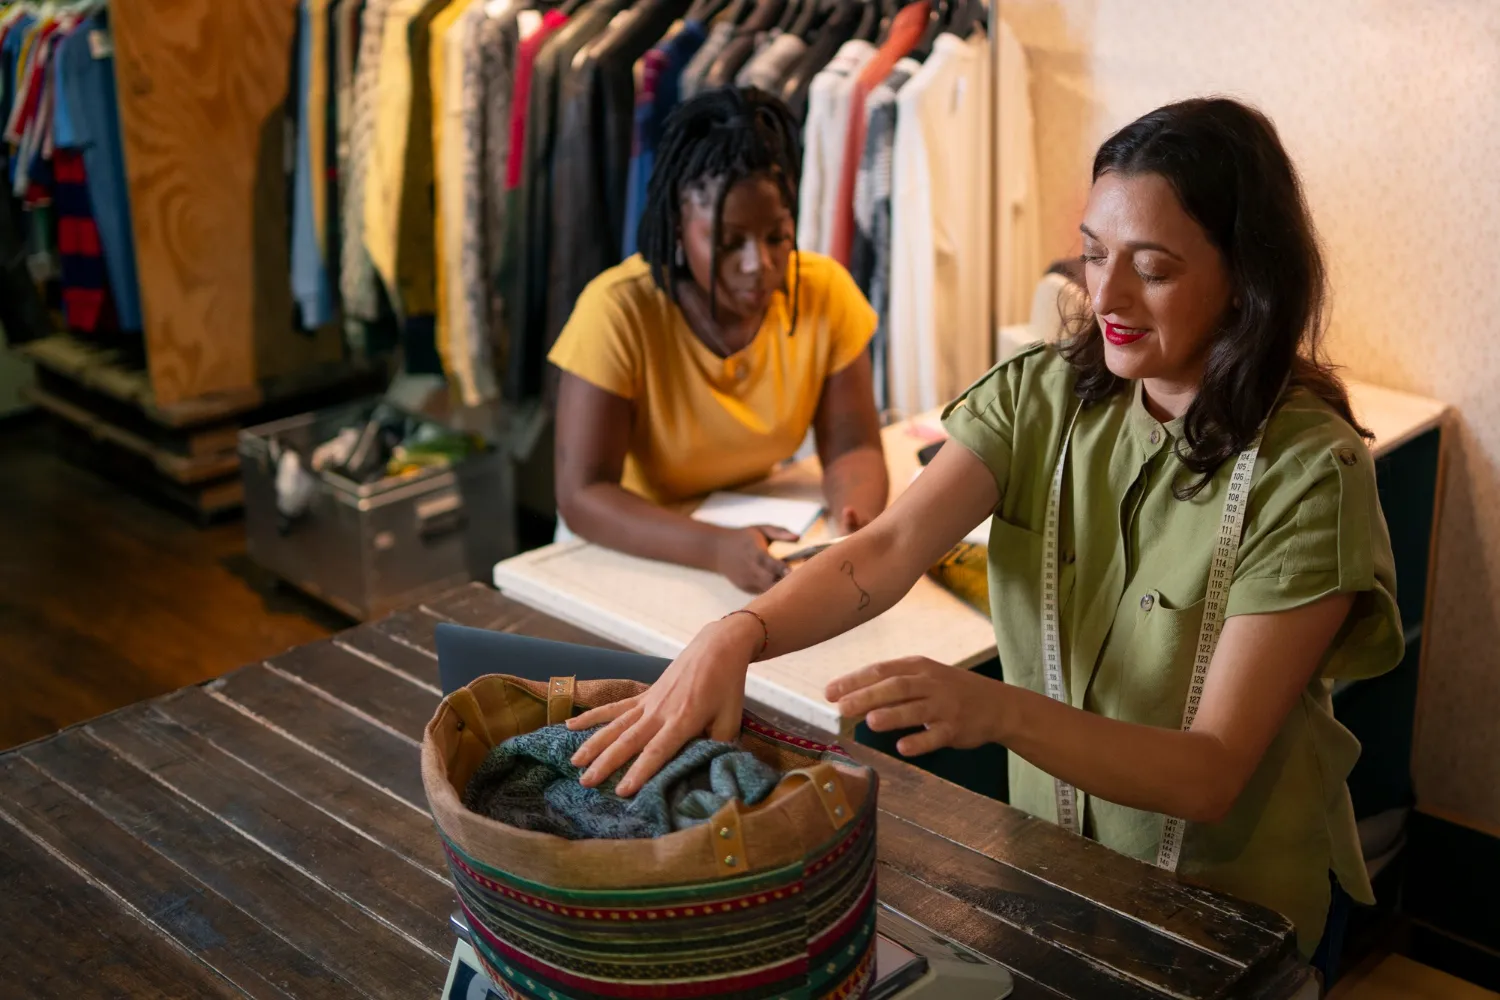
1190, 404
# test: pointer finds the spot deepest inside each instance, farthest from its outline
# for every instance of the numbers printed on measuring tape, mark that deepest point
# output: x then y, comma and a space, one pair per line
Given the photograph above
1221, 573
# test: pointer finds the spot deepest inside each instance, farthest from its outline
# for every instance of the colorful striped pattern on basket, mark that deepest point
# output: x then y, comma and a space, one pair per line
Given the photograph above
802, 932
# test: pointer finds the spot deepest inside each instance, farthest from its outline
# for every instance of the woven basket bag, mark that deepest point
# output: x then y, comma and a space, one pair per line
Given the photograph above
775, 900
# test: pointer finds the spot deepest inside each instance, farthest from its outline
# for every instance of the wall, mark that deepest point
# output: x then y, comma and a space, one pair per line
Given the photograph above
1390, 110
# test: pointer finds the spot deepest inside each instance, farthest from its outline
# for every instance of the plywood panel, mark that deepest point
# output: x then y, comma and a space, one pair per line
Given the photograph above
201, 87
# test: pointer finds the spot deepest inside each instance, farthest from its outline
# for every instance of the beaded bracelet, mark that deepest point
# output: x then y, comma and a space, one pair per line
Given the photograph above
765, 631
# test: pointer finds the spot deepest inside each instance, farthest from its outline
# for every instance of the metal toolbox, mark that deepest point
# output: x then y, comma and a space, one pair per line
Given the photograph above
369, 549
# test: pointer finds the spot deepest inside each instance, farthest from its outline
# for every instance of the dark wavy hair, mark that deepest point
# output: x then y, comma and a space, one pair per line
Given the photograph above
718, 137
1232, 175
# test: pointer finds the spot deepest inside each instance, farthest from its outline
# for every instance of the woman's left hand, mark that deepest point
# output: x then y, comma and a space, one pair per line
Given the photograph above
954, 707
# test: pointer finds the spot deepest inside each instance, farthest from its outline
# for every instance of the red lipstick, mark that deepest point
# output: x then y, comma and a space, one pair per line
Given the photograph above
1122, 335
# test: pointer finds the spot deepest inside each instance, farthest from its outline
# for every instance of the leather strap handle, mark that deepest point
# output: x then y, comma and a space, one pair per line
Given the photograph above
829, 787
470, 717
728, 840
560, 699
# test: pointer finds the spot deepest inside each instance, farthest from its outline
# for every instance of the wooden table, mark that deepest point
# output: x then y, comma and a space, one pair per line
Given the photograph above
266, 835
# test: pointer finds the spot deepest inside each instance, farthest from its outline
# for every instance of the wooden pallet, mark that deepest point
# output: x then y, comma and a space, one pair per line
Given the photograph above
122, 376
185, 453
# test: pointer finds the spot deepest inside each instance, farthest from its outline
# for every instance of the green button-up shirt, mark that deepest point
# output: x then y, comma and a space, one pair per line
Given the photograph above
1134, 572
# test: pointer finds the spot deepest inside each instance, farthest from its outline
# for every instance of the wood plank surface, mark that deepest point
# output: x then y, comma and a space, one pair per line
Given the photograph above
402, 827
1039, 969
344, 938
65, 937
388, 696
275, 819
201, 84
373, 643
163, 897
1065, 924
409, 898
373, 751
1239, 932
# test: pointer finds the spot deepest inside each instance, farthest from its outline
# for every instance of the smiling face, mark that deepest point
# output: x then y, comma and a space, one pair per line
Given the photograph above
1158, 286
755, 245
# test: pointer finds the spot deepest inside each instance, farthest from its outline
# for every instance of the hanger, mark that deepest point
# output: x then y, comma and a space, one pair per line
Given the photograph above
813, 14
888, 11
762, 18
704, 11
790, 14
869, 21
967, 16
936, 24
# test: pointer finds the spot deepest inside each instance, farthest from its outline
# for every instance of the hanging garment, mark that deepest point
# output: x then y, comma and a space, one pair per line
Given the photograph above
823, 144
445, 76
89, 87
387, 162
528, 254
691, 80
309, 275
468, 252
357, 276
871, 256
822, 48
505, 80
85, 285
940, 337
664, 94
596, 119
416, 261
906, 31
770, 66
1018, 261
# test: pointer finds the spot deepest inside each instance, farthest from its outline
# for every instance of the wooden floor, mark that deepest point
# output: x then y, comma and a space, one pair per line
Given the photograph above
1399, 978
107, 598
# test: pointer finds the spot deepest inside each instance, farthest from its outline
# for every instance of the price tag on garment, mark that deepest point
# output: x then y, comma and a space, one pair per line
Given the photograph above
101, 46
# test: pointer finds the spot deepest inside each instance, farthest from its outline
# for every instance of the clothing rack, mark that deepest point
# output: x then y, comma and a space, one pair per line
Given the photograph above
493, 155
154, 147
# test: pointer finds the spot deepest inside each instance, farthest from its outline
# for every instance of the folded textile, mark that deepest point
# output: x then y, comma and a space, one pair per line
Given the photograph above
530, 782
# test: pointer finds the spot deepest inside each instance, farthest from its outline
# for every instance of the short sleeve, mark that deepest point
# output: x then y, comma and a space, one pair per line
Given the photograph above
1327, 535
601, 342
851, 319
983, 418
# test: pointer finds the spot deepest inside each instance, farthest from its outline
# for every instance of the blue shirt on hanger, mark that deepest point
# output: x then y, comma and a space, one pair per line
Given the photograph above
649, 119
92, 123
310, 283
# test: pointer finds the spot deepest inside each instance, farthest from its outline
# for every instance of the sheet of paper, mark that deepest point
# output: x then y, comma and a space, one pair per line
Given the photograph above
744, 510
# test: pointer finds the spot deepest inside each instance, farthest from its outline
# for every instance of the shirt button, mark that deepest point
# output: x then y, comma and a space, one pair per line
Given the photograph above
741, 371
1148, 602
1156, 437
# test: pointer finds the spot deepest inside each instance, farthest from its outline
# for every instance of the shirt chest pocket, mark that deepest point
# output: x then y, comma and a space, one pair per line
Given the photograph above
1016, 596
1153, 687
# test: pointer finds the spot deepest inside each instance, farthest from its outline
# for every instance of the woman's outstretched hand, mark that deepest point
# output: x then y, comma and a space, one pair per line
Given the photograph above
952, 707
702, 693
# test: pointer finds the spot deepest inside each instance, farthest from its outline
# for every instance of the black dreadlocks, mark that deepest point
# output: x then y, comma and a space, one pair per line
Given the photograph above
720, 137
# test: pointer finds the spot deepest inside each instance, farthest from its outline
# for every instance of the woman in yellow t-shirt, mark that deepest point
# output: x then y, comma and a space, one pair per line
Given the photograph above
701, 362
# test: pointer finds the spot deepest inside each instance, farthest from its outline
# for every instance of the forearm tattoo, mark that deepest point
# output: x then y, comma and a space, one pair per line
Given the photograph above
864, 595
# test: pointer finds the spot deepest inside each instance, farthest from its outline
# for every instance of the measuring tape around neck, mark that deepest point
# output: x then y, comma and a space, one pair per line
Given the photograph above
1220, 574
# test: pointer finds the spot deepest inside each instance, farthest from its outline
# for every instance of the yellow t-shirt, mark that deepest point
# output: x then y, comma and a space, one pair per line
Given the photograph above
703, 422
